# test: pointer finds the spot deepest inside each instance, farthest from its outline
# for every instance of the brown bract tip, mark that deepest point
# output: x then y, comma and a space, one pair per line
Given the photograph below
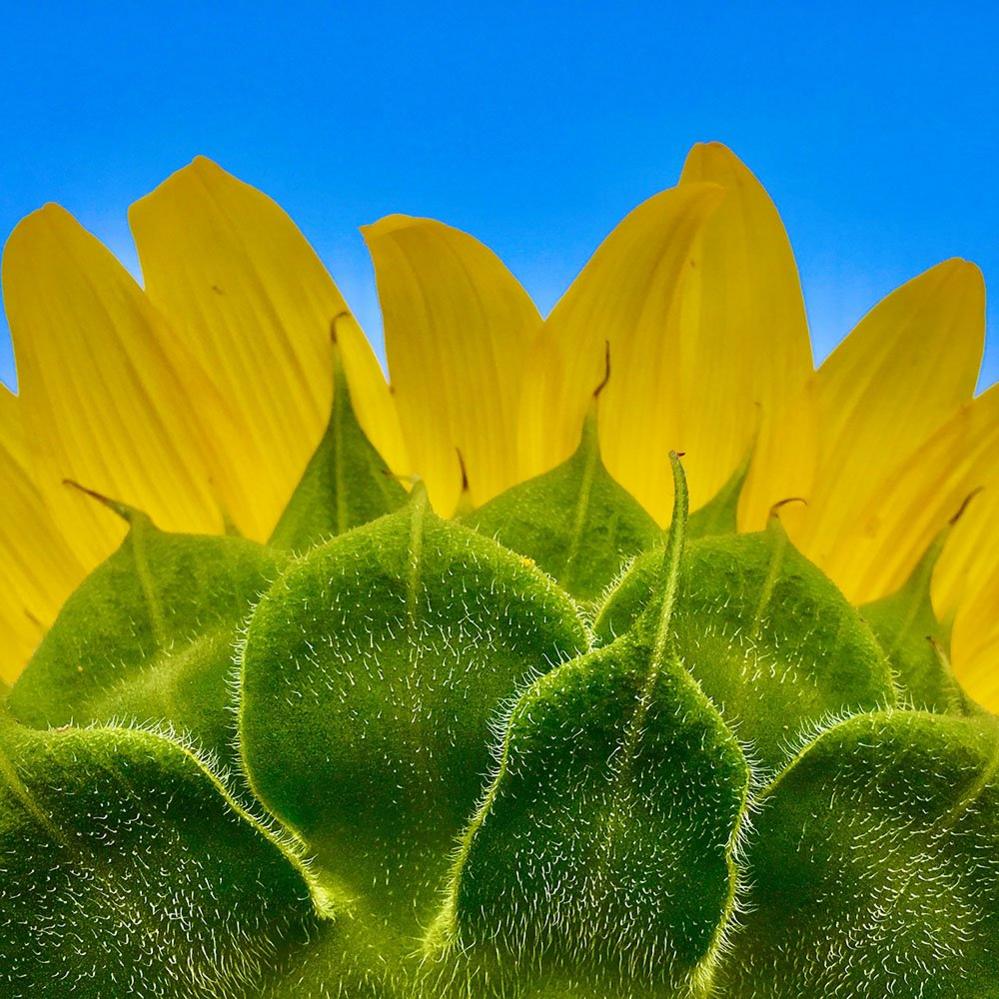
338, 318
464, 469
123, 510
964, 505
607, 371
775, 509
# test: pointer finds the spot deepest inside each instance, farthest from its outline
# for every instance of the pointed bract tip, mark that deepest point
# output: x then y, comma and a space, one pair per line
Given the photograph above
127, 513
607, 371
464, 469
418, 495
964, 506
339, 320
774, 511
681, 500
464, 505
341, 386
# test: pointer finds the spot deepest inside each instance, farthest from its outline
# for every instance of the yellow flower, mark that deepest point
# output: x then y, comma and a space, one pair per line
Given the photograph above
200, 397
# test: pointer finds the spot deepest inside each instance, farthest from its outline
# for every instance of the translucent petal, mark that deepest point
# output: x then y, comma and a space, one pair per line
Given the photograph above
976, 649
458, 327
966, 586
37, 569
880, 546
903, 371
624, 300
250, 299
743, 338
107, 397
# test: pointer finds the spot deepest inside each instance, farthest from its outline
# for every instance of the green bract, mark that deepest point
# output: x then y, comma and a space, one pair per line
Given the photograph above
541, 751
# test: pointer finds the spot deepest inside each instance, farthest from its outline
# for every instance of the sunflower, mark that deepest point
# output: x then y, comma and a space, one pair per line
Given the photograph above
617, 652
199, 397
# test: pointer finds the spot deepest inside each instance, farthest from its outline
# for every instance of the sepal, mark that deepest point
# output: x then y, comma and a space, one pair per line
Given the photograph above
874, 866
575, 521
148, 638
371, 677
915, 641
346, 483
125, 869
765, 633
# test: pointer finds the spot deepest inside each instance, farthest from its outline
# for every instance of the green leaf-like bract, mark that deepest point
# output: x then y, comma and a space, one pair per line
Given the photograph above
730, 784
345, 484
126, 870
915, 641
149, 636
768, 637
575, 521
875, 867
371, 674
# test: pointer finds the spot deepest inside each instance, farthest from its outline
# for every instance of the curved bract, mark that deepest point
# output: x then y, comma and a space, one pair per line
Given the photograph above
711, 777
611, 654
128, 870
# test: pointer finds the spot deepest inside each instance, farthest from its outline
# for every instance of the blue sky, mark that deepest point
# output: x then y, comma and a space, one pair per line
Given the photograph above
875, 126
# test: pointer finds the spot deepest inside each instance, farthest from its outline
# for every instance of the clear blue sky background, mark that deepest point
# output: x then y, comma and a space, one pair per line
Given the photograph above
875, 126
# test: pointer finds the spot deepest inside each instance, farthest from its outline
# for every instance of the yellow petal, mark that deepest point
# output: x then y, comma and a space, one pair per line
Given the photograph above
966, 585
624, 298
744, 350
980, 675
882, 544
910, 363
975, 640
37, 569
458, 326
106, 396
249, 298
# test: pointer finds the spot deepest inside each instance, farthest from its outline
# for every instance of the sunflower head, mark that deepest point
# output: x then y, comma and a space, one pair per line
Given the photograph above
617, 653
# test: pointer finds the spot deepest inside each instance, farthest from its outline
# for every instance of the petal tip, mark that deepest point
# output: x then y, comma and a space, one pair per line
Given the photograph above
395, 222
199, 171
713, 161
956, 278
202, 162
50, 213
966, 269
36, 231
712, 147
200, 166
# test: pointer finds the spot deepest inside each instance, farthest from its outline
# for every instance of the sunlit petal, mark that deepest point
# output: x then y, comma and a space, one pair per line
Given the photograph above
625, 299
106, 396
911, 362
743, 341
879, 547
975, 645
37, 569
458, 327
250, 299
966, 588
